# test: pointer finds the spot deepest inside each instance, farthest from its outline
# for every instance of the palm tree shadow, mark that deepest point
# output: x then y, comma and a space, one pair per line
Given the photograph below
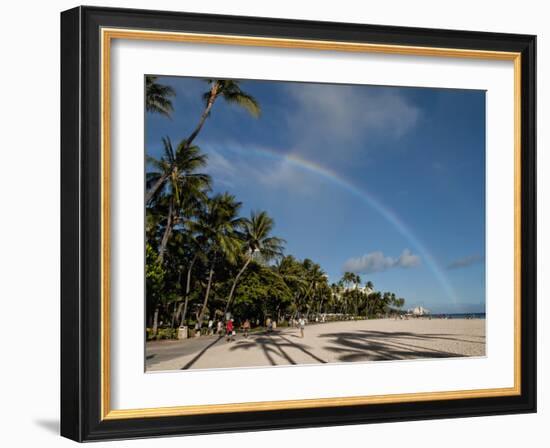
268, 346
200, 354
364, 345
271, 346
302, 348
402, 335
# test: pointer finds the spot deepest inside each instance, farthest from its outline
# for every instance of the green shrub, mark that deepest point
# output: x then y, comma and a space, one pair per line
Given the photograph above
162, 333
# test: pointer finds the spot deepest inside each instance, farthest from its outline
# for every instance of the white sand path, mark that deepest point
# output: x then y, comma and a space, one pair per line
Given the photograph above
367, 340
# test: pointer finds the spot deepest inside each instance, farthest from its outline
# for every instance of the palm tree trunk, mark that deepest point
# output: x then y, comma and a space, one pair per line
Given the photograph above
187, 289
156, 321
174, 314
177, 315
204, 116
232, 291
152, 191
177, 305
205, 303
166, 236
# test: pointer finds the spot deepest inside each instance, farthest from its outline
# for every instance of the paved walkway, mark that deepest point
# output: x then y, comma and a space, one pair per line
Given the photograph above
372, 340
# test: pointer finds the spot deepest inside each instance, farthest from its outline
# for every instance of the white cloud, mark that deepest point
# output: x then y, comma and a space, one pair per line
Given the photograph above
339, 119
221, 169
232, 164
284, 174
378, 262
465, 262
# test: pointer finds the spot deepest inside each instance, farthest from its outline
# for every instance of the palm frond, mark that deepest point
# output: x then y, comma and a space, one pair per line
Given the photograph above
157, 97
244, 100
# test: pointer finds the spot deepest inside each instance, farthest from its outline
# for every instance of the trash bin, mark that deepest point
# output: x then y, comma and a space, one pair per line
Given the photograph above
183, 332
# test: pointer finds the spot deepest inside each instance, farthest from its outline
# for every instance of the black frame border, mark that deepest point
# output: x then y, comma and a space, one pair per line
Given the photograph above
81, 223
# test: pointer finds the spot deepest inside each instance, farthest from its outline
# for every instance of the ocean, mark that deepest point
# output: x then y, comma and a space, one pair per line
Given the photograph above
460, 315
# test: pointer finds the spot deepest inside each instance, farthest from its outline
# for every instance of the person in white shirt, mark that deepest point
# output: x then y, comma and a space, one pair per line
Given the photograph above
302, 325
210, 327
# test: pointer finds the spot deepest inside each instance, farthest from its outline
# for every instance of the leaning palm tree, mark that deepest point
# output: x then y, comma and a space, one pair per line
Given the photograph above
218, 228
157, 96
186, 194
164, 208
172, 167
231, 92
257, 243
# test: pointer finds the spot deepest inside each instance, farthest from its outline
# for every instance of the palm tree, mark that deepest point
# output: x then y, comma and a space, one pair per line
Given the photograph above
195, 244
400, 303
187, 246
173, 165
157, 96
218, 226
231, 92
177, 170
257, 243
315, 277
325, 294
292, 274
199, 253
348, 278
337, 299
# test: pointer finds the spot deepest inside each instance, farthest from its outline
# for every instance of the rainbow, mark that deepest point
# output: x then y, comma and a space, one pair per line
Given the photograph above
360, 193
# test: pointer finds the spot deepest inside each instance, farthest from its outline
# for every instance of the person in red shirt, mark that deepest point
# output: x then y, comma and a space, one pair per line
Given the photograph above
229, 330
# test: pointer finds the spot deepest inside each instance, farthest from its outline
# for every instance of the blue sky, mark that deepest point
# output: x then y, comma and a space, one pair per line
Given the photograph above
386, 181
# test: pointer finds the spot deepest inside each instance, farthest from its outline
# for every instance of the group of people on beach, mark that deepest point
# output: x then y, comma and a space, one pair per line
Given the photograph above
228, 330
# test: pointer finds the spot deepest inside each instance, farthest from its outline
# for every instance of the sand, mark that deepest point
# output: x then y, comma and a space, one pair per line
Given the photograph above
351, 341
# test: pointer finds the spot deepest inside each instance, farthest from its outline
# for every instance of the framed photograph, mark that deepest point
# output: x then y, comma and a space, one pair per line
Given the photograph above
276, 224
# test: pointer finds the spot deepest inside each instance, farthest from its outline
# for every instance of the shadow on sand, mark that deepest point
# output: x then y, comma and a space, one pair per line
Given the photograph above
364, 345
274, 344
199, 355
347, 346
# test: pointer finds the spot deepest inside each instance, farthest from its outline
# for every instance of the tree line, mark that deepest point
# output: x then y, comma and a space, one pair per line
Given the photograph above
204, 259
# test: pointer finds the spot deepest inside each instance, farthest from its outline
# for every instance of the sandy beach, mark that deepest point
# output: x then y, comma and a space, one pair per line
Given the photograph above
351, 341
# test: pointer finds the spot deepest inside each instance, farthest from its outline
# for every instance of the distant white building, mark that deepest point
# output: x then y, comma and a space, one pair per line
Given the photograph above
419, 311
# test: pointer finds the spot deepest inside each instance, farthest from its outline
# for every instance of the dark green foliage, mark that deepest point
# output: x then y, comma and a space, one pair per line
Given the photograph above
261, 293
157, 96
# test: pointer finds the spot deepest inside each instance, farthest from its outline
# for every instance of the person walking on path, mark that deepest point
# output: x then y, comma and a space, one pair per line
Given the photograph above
246, 328
302, 325
210, 327
219, 328
197, 329
229, 330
